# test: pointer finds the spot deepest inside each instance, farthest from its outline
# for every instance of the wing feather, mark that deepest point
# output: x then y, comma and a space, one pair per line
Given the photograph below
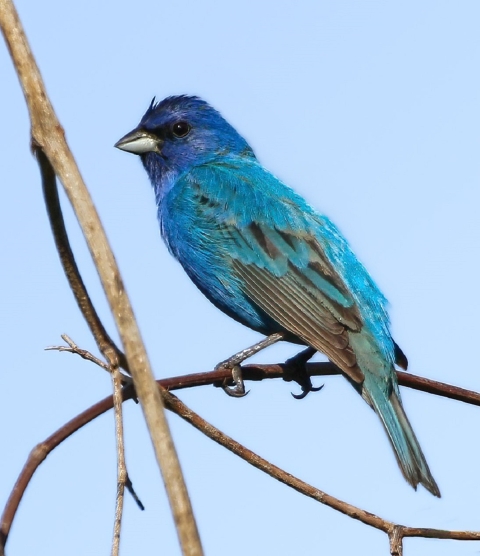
283, 299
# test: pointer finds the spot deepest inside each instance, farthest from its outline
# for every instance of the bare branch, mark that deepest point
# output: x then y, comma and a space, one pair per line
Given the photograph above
49, 142
438, 388
395, 532
121, 466
396, 541
84, 354
178, 407
217, 377
62, 243
261, 372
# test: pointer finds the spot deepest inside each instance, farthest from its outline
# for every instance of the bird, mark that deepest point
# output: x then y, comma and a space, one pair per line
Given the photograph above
262, 255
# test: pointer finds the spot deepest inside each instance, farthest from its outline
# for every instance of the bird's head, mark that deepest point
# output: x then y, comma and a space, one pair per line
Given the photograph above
179, 133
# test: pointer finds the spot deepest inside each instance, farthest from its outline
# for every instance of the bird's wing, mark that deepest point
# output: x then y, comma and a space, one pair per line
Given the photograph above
286, 258
290, 278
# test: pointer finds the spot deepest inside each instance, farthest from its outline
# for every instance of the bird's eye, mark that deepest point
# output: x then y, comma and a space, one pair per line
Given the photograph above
181, 129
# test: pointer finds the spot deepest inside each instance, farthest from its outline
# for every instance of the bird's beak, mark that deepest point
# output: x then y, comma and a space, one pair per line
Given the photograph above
139, 141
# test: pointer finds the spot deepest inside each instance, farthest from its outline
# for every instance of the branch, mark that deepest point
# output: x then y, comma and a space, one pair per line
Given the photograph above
217, 377
280, 370
395, 532
121, 466
48, 140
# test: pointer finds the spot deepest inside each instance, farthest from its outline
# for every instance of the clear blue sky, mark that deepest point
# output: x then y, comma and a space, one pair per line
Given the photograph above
371, 111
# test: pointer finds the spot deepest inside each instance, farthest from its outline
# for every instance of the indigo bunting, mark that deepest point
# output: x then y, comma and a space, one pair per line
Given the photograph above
262, 255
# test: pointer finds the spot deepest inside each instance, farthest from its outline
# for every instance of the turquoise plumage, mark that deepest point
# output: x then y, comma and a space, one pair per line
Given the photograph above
262, 255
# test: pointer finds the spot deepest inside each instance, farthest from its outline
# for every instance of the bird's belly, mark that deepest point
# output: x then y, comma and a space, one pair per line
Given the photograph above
199, 247
224, 291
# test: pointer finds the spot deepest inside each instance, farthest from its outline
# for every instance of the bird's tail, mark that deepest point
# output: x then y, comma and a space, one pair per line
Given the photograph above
409, 455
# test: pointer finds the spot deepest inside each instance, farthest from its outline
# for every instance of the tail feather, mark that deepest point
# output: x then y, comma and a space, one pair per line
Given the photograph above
407, 449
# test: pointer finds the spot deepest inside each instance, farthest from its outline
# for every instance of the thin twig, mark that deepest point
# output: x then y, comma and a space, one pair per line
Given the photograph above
49, 142
121, 466
88, 356
84, 354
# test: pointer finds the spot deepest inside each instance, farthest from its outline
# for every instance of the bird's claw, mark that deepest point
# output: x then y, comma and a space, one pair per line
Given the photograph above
237, 391
306, 391
233, 364
295, 370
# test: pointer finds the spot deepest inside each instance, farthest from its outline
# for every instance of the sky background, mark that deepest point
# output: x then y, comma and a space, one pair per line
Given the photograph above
368, 109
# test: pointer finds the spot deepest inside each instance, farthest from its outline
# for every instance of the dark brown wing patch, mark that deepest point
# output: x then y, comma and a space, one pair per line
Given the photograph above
287, 301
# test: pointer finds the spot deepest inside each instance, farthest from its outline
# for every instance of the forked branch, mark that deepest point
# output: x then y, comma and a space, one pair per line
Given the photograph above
395, 532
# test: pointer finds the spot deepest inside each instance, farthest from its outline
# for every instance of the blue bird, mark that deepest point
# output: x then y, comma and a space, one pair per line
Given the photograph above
262, 255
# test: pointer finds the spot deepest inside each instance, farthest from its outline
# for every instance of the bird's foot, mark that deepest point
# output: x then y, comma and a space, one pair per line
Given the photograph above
238, 390
233, 364
295, 370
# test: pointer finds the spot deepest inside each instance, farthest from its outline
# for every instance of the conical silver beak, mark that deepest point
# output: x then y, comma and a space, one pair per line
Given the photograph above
139, 141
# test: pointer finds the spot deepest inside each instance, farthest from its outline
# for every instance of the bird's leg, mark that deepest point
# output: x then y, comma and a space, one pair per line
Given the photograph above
233, 363
295, 370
